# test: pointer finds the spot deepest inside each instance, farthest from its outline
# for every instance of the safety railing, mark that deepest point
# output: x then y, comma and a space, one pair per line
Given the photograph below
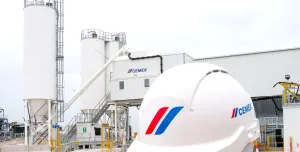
84, 138
290, 93
70, 124
263, 133
91, 142
105, 36
3, 116
271, 120
107, 145
102, 101
100, 108
262, 146
48, 3
70, 129
273, 144
259, 145
84, 141
6, 136
96, 113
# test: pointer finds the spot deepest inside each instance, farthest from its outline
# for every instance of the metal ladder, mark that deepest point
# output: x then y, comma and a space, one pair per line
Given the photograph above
59, 5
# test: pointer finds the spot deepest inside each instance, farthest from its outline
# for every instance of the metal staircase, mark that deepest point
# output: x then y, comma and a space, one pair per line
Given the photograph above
41, 138
99, 110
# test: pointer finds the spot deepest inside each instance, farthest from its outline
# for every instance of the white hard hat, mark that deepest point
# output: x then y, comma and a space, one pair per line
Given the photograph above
196, 107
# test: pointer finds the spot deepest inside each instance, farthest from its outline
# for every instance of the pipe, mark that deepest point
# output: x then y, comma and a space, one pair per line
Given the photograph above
116, 123
148, 57
91, 81
276, 105
29, 117
130, 131
265, 97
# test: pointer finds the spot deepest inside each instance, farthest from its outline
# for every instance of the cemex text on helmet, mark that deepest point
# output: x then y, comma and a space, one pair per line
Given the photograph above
239, 111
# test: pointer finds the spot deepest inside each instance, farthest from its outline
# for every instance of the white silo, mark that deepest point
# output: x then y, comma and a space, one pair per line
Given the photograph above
96, 49
92, 59
114, 42
39, 63
111, 48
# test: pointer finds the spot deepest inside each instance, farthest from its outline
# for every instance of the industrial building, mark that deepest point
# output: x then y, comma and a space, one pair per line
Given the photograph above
133, 73
114, 79
258, 72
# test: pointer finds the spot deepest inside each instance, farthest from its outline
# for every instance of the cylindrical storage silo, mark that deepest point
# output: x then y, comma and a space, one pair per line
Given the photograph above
111, 49
39, 59
92, 59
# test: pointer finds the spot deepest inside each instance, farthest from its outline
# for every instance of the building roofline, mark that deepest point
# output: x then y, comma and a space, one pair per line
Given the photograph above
249, 53
124, 57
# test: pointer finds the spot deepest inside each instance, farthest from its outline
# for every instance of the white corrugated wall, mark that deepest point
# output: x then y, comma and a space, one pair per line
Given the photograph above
258, 72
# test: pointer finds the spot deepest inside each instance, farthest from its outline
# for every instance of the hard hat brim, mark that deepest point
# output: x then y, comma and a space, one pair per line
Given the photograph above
138, 146
232, 143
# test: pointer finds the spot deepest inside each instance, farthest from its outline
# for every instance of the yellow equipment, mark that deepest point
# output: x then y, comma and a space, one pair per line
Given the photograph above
106, 143
287, 88
290, 96
56, 144
134, 135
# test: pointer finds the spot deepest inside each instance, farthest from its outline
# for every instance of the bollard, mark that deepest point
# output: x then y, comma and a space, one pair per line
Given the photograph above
268, 142
256, 146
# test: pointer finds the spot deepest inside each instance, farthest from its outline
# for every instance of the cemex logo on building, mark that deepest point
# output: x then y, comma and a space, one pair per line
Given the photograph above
239, 111
165, 122
137, 70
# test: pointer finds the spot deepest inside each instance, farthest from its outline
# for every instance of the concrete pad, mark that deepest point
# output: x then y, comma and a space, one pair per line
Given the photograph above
24, 148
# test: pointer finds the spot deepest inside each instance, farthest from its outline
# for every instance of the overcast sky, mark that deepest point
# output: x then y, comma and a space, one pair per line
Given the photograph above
200, 28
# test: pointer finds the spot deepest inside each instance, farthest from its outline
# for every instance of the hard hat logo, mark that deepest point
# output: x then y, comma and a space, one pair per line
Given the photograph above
241, 111
165, 122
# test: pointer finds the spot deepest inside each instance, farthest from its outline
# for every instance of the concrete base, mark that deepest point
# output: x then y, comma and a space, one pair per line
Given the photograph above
24, 148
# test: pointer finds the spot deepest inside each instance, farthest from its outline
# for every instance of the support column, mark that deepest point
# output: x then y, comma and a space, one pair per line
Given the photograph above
116, 122
88, 115
127, 123
104, 118
112, 118
49, 121
111, 124
26, 122
54, 121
